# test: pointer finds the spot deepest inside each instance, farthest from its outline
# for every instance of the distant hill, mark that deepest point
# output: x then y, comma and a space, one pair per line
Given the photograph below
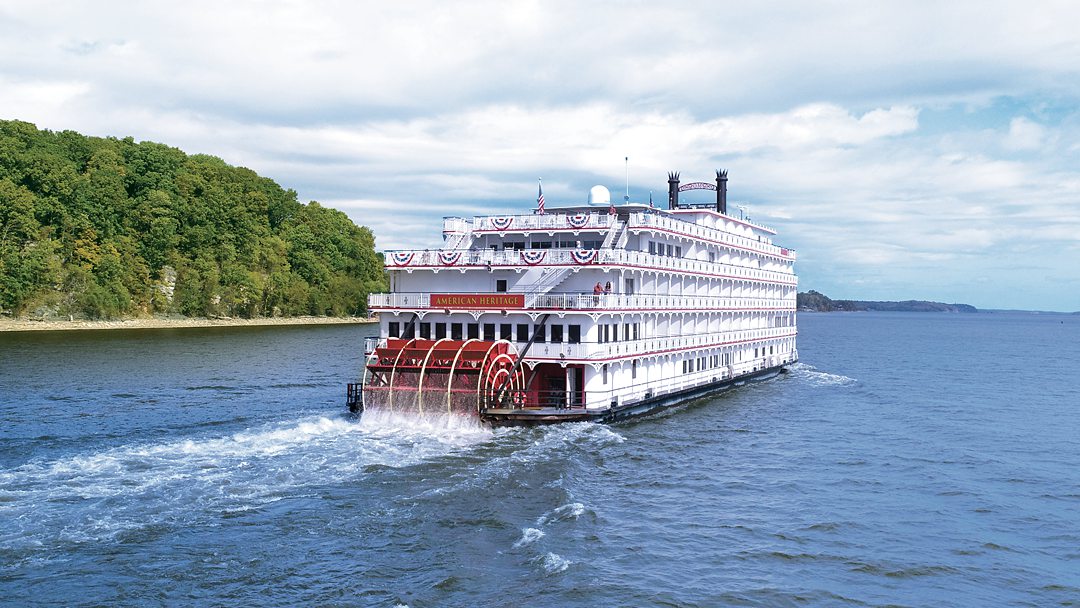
102, 227
815, 301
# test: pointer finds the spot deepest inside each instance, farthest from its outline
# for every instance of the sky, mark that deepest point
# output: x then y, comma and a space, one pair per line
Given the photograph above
906, 150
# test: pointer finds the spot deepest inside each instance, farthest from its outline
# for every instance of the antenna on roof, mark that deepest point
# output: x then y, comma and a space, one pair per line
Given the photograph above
626, 198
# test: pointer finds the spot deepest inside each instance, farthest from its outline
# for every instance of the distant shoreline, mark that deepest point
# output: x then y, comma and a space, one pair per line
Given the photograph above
164, 323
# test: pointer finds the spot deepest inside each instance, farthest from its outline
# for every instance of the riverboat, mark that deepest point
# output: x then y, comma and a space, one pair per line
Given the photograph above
584, 312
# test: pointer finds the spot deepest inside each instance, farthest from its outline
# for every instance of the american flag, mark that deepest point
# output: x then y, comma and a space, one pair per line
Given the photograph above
540, 198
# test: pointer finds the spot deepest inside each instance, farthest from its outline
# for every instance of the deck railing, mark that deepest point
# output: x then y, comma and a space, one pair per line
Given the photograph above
586, 351
601, 221
462, 259
603, 302
645, 221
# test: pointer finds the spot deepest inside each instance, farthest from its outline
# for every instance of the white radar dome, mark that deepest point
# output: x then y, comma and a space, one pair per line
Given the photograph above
599, 195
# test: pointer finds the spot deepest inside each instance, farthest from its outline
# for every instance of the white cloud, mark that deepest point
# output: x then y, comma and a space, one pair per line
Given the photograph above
1025, 135
873, 137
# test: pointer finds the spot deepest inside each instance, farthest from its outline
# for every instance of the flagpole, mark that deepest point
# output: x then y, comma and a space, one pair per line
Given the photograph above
627, 197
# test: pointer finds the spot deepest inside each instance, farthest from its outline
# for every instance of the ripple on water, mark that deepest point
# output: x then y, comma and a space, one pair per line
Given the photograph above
96, 496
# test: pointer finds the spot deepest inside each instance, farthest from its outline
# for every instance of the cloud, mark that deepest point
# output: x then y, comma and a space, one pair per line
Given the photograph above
1024, 135
896, 147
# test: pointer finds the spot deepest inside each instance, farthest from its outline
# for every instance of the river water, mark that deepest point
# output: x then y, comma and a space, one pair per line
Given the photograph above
909, 459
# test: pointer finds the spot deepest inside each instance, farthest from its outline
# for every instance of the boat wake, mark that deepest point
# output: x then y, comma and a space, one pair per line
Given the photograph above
811, 375
99, 496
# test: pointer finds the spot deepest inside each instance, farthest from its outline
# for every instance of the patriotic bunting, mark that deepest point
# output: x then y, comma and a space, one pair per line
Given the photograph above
584, 256
502, 223
401, 258
532, 258
449, 258
578, 220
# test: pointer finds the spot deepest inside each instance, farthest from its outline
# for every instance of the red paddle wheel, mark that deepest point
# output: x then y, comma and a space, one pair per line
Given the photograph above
461, 377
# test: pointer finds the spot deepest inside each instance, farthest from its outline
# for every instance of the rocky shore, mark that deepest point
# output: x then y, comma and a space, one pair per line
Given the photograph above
165, 322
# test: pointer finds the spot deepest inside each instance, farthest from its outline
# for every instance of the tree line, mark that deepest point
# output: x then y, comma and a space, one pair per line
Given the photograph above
104, 227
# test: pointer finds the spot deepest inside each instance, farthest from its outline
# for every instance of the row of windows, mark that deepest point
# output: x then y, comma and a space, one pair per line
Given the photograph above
609, 332
520, 246
702, 363
668, 249
656, 248
633, 371
555, 334
698, 364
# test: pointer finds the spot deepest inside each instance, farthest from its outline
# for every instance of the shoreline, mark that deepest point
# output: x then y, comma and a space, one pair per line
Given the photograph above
14, 325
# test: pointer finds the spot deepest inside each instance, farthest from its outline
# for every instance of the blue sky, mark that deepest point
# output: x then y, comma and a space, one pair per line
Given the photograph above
905, 149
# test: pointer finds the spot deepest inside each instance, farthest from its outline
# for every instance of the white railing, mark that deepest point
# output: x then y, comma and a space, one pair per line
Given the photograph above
603, 221
463, 258
612, 233
644, 221
549, 221
591, 351
604, 302
457, 232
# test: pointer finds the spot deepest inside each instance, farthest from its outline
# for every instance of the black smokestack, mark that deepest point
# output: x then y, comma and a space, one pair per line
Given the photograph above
673, 190
721, 192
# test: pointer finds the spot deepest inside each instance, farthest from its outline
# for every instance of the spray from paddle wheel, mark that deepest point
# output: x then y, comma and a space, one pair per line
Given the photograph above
439, 377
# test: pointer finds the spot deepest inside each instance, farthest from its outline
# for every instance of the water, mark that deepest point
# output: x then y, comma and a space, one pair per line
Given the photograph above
910, 459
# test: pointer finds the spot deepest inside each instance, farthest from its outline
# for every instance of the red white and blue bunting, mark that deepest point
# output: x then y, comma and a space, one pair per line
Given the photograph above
449, 258
578, 220
502, 223
532, 258
584, 256
401, 258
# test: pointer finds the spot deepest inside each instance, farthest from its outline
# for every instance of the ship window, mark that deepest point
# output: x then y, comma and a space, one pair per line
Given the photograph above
425, 331
637, 332
519, 246
489, 332
542, 245
440, 331
626, 332
455, 331
669, 249
393, 329
606, 334
605, 373
523, 332
506, 331
556, 333
575, 334
712, 256
633, 369
591, 244
678, 252
539, 333
500, 285
652, 247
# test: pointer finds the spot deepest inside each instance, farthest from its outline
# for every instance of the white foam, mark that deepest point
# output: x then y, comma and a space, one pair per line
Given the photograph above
528, 537
554, 563
810, 374
96, 495
563, 513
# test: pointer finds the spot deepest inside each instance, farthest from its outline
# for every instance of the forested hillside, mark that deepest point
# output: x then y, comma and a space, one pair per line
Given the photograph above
104, 228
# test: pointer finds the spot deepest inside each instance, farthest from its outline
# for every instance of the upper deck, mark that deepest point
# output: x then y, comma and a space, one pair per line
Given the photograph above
577, 224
